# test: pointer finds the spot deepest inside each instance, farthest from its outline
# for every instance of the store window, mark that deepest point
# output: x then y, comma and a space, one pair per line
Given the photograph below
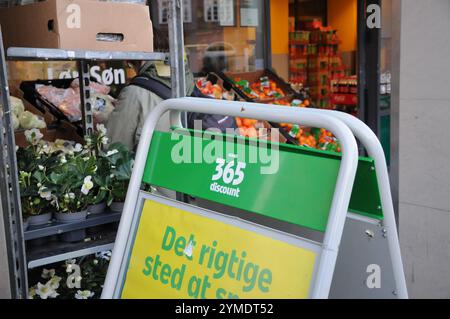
224, 35
322, 51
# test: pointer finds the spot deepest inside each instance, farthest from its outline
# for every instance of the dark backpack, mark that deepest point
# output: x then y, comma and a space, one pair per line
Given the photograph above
208, 120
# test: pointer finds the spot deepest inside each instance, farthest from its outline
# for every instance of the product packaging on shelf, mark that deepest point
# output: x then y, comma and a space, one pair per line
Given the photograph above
78, 24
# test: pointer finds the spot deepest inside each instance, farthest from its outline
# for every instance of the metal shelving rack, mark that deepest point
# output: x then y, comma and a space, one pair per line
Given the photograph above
9, 191
10, 196
61, 251
56, 228
53, 252
58, 251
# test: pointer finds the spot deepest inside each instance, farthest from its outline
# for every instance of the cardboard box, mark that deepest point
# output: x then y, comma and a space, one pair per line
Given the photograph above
78, 24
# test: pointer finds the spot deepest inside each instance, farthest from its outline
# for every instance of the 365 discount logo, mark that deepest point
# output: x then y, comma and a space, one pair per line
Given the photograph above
230, 173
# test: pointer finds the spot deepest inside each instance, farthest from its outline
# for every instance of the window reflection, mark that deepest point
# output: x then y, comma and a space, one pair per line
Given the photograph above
223, 35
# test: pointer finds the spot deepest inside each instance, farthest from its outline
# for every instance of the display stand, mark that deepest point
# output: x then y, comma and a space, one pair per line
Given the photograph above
326, 268
54, 252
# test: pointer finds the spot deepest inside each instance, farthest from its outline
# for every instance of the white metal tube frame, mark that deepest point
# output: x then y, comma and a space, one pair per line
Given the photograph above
341, 197
375, 150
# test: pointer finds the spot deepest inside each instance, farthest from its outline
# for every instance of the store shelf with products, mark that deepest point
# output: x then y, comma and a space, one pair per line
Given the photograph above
344, 95
84, 59
315, 61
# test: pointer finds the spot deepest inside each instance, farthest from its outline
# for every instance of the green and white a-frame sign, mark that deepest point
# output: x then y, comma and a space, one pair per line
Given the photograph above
320, 226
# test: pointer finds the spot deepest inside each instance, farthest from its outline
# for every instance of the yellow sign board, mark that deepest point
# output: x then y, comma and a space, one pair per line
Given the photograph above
182, 255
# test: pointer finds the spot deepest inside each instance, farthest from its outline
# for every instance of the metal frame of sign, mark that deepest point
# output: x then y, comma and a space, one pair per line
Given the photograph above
332, 121
370, 142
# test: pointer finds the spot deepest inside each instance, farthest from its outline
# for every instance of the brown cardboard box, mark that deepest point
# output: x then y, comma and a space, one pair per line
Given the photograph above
76, 24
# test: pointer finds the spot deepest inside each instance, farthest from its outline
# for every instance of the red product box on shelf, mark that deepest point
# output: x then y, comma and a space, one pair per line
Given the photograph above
344, 99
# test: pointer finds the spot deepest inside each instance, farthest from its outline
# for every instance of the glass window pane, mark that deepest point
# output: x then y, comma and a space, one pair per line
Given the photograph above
225, 35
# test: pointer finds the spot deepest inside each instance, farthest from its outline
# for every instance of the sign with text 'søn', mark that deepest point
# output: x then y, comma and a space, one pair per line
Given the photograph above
181, 254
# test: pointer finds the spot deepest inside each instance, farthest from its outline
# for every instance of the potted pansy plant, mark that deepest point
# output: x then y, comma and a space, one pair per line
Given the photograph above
95, 145
72, 279
71, 182
115, 173
34, 162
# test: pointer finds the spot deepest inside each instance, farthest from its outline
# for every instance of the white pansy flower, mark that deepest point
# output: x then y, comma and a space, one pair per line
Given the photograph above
47, 150
71, 195
101, 128
63, 160
86, 158
33, 136
45, 193
87, 185
111, 153
84, 294
46, 291
78, 148
47, 274
105, 140
95, 262
39, 185
54, 282
41, 168
112, 175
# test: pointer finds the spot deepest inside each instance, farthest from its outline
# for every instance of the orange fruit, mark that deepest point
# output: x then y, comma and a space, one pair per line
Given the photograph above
251, 132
